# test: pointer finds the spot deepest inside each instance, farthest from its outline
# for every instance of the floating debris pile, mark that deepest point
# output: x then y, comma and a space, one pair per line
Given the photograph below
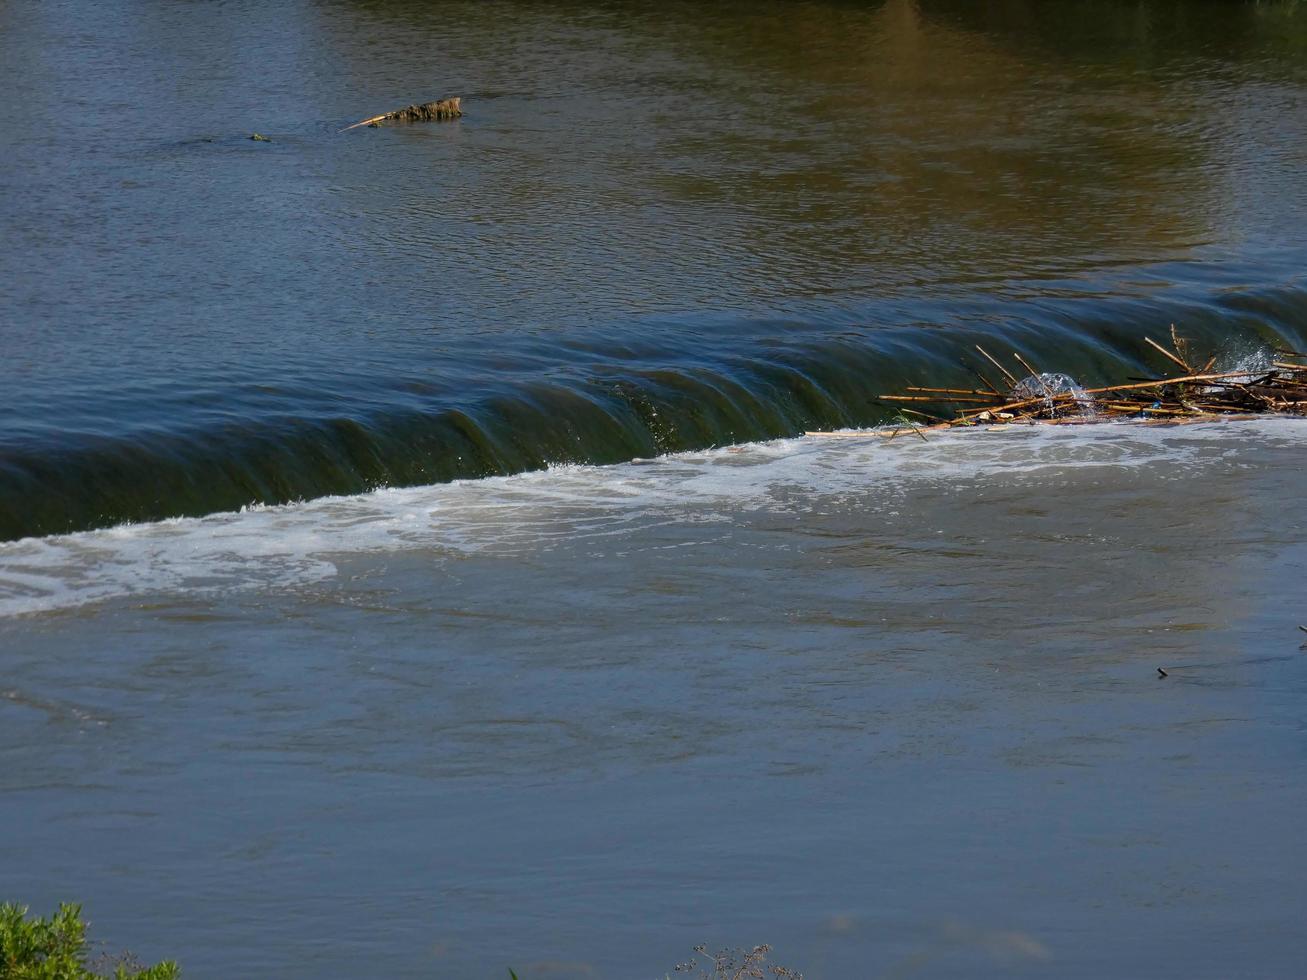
1278, 387
438, 111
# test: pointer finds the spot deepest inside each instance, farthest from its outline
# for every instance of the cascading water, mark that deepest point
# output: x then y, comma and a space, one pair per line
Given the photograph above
688, 389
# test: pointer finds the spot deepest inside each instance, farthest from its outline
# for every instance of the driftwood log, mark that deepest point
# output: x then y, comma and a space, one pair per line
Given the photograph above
437, 111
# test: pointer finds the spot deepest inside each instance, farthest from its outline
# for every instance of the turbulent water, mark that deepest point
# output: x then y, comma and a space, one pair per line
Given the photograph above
411, 561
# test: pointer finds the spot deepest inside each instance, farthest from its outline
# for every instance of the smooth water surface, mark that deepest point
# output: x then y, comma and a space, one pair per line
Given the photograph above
411, 563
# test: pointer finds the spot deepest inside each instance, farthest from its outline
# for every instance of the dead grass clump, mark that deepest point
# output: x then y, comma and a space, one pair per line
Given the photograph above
735, 964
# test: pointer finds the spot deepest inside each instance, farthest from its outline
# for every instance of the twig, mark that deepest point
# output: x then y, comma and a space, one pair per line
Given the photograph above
1167, 354
936, 399
365, 122
984, 380
1030, 371
1181, 348
952, 391
1001, 369
913, 411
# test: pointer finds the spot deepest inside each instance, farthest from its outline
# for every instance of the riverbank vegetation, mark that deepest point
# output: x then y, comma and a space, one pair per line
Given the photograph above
34, 948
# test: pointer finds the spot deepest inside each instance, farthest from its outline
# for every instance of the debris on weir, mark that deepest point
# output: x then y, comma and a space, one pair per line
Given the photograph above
1198, 394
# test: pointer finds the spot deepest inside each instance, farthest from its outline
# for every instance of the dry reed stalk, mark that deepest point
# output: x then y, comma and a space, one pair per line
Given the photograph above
1192, 396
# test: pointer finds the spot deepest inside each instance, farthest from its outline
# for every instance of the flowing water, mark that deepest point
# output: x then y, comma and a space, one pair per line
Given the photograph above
411, 563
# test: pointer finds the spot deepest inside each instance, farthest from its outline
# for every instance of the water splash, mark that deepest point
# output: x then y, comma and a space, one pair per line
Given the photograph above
1252, 364
1050, 387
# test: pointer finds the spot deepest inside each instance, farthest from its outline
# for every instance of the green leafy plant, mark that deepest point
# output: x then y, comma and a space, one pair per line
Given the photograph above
56, 949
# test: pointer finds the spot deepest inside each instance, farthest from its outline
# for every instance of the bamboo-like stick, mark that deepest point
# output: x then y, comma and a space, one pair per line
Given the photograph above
888, 434
1167, 354
856, 434
1001, 369
1168, 381
984, 380
934, 398
953, 391
924, 415
1009, 406
1030, 371
365, 122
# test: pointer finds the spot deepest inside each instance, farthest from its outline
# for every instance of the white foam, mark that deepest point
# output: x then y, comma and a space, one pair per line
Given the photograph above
280, 547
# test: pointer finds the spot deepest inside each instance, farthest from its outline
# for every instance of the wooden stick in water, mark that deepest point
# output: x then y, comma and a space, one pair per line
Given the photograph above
913, 411
1029, 370
364, 122
936, 398
1169, 381
1181, 349
970, 413
1167, 354
951, 391
1035, 375
984, 381
1001, 369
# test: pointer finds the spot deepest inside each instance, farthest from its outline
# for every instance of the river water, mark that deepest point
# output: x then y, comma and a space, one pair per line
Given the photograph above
412, 563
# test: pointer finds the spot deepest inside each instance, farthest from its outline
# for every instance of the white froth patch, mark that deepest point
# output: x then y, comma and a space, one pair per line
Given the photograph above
297, 544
